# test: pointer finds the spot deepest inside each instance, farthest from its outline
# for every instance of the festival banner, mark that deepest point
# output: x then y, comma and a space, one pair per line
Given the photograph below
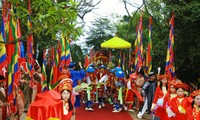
139, 47
149, 50
12, 59
170, 68
3, 61
44, 75
30, 49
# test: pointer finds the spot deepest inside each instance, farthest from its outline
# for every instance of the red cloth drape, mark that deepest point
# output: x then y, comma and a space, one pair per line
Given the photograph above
45, 108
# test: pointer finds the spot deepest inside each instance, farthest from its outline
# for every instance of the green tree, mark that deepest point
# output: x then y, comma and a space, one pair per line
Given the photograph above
187, 39
187, 35
76, 53
102, 29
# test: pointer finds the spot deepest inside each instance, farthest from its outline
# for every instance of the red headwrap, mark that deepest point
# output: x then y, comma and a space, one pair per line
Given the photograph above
195, 93
181, 85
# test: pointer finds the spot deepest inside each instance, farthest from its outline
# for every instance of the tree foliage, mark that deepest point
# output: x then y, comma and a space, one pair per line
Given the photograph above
76, 53
187, 35
102, 29
187, 38
52, 17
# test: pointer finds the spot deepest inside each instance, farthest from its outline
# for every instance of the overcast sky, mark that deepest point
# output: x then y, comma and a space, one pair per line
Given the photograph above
106, 9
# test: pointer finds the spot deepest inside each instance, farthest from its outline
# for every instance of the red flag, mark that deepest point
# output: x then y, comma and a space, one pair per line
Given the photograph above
92, 55
86, 61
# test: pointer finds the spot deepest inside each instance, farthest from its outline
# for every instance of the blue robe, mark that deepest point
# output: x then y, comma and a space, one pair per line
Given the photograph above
75, 76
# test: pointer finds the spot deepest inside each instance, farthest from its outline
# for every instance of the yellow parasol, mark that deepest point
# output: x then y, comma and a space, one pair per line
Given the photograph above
116, 42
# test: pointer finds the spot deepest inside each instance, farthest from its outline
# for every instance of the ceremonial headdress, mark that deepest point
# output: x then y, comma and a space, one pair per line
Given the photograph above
66, 72
65, 79
90, 69
195, 93
172, 83
72, 64
102, 66
120, 74
117, 69
91, 65
133, 75
163, 77
64, 86
181, 85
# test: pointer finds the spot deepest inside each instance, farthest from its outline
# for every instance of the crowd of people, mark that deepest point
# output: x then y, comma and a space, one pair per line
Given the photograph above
153, 94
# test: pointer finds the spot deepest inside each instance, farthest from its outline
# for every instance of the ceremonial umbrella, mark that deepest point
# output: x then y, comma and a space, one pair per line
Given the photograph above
116, 43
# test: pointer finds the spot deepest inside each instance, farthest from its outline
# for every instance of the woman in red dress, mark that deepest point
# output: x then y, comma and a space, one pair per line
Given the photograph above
65, 88
160, 93
179, 104
168, 97
193, 111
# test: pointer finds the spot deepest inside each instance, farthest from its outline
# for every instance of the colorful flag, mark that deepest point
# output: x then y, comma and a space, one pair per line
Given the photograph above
19, 54
67, 52
52, 68
139, 47
21, 51
30, 50
44, 75
149, 50
55, 69
65, 58
12, 54
62, 55
3, 61
170, 68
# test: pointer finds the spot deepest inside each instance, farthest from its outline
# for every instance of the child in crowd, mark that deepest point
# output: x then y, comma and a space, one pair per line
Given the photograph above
91, 89
130, 88
168, 97
119, 83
